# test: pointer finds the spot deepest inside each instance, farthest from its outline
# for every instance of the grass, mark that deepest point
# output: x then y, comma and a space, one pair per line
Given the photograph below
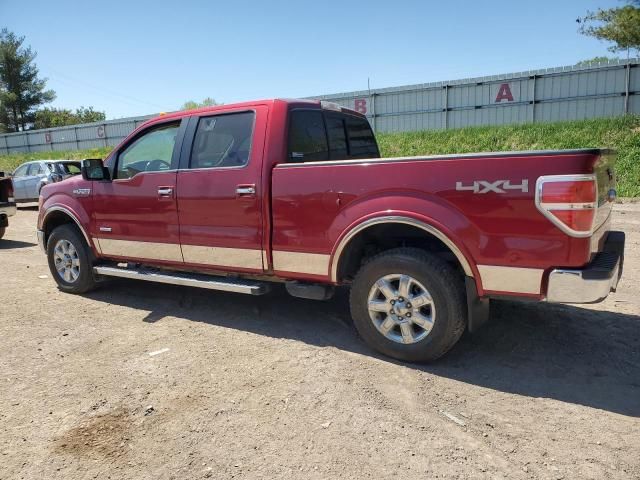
621, 134
8, 163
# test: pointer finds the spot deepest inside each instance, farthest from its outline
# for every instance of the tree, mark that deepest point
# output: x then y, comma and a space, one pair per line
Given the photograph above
21, 91
596, 60
89, 115
207, 102
620, 25
59, 117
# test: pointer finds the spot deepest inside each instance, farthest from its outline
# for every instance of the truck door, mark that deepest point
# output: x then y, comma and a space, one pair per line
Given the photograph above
18, 181
135, 214
220, 192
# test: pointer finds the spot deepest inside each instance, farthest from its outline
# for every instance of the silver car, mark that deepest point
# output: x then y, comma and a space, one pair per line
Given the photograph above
30, 177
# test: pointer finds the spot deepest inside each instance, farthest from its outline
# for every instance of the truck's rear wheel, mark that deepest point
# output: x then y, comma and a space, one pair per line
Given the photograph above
409, 305
70, 260
2, 231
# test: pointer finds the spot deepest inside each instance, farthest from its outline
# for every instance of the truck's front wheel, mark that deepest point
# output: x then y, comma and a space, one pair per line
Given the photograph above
409, 304
70, 260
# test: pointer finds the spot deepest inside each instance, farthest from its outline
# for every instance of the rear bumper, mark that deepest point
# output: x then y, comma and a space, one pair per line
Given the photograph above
594, 282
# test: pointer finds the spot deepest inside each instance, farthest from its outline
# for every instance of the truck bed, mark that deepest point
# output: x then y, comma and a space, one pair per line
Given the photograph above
491, 228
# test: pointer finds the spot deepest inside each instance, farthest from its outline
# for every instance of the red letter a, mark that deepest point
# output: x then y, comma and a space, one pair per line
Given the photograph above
504, 93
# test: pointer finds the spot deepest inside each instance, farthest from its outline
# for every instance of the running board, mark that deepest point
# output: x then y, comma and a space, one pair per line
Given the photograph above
187, 279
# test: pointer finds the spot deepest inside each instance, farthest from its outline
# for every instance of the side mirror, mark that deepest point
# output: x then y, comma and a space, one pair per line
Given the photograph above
94, 169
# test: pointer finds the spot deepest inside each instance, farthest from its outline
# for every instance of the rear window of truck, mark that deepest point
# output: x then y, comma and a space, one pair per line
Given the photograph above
317, 135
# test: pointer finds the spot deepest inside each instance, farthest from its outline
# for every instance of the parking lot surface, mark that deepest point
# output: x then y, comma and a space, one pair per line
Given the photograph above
138, 380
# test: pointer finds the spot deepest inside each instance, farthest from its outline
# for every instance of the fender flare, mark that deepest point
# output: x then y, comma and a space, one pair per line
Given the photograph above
70, 214
335, 260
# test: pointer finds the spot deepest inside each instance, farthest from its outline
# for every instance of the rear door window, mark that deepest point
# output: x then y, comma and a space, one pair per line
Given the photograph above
223, 141
307, 137
35, 169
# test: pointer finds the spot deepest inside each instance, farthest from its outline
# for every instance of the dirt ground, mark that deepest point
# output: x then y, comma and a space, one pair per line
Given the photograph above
142, 381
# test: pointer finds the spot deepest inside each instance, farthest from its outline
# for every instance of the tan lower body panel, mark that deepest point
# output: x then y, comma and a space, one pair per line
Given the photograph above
511, 279
297, 262
169, 252
223, 257
294, 262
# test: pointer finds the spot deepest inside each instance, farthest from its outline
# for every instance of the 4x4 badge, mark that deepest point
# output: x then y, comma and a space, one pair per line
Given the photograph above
499, 186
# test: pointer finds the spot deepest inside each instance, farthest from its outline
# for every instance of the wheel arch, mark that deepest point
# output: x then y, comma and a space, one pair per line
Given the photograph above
57, 215
341, 251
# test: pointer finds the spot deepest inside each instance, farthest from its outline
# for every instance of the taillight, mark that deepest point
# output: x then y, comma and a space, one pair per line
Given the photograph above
569, 201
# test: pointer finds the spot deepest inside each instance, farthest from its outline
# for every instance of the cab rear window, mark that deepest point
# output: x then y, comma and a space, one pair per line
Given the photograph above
362, 143
317, 135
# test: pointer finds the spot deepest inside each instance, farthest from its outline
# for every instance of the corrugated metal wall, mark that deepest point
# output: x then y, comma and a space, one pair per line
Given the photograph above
76, 137
554, 94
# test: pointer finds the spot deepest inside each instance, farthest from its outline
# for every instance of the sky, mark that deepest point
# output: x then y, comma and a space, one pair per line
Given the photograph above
130, 58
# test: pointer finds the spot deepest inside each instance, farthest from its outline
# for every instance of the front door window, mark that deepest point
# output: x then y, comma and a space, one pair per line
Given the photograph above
152, 152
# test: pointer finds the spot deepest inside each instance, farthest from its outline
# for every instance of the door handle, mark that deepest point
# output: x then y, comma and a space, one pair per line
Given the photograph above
165, 192
245, 190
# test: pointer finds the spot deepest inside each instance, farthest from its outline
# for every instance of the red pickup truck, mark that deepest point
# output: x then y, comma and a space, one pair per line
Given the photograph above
238, 197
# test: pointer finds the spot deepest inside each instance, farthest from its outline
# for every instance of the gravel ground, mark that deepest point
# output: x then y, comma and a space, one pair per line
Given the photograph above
152, 381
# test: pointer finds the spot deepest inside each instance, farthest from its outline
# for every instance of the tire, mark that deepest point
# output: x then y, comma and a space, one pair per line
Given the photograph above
79, 278
414, 333
2, 231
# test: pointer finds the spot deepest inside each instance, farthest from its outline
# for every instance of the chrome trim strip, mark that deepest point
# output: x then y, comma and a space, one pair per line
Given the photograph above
511, 279
404, 220
200, 169
200, 281
299, 262
568, 206
152, 172
453, 156
133, 249
223, 257
564, 178
59, 208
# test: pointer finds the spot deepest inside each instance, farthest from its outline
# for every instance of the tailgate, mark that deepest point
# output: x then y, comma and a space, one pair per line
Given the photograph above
605, 175
6, 190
